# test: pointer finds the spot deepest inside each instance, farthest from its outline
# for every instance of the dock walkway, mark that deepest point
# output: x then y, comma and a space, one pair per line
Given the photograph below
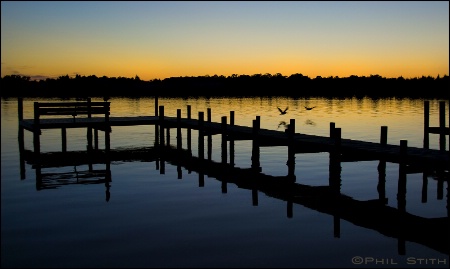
359, 150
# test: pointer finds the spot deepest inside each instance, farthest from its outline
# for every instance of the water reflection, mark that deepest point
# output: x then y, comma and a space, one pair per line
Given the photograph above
327, 199
310, 122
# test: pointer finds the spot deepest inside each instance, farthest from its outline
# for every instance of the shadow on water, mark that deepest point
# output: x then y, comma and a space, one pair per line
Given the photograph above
327, 199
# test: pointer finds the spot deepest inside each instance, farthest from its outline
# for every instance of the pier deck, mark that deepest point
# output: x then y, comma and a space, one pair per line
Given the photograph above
359, 150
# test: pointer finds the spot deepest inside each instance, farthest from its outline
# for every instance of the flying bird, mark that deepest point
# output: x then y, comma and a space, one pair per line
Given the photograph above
283, 112
309, 108
284, 124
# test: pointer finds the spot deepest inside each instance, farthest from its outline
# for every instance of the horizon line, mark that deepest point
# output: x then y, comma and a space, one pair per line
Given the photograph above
42, 77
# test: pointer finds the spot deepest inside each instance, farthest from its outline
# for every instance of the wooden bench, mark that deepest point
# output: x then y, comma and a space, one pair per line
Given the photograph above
73, 109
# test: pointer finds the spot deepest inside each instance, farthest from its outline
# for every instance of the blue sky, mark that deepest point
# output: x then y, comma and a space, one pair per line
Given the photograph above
166, 39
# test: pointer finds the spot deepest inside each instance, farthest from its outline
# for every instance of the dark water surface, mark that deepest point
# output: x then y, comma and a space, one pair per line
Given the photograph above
160, 214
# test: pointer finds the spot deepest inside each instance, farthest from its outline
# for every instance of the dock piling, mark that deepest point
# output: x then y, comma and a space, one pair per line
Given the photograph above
426, 124
442, 139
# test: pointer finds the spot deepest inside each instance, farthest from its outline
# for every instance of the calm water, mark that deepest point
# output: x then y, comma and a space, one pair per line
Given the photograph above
176, 218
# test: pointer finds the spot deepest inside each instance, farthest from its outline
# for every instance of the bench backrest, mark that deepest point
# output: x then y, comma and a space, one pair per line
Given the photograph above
71, 108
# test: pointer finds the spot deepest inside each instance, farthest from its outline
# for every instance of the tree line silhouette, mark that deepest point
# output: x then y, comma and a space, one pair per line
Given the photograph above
296, 85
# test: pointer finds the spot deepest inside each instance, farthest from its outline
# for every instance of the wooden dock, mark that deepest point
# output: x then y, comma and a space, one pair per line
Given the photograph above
297, 142
374, 214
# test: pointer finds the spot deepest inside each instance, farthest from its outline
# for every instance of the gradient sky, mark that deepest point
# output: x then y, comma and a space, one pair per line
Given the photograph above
171, 39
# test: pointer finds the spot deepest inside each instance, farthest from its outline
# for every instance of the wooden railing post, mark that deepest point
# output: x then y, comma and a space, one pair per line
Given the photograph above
161, 126
332, 127
89, 129
255, 145
381, 187
224, 139
107, 128
231, 139
291, 150
208, 119
201, 140
37, 130
442, 139
188, 138
426, 124
156, 105
179, 141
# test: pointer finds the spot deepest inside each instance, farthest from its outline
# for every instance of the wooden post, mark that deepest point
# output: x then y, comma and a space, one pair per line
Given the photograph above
64, 139
381, 187
201, 147
161, 140
21, 137
383, 136
201, 141
208, 119
157, 145
107, 141
156, 105
36, 131
188, 111
403, 148
337, 137
89, 135
332, 127
208, 111
291, 150
96, 138
442, 139
89, 129
189, 146
224, 153
231, 139
401, 197
179, 145
179, 140
255, 145
335, 163
161, 126
224, 140
22, 152
426, 124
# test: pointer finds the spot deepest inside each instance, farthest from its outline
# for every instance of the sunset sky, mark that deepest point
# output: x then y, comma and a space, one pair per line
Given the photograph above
171, 39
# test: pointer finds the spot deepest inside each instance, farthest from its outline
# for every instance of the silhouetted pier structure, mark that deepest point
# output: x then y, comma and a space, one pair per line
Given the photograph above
373, 214
297, 142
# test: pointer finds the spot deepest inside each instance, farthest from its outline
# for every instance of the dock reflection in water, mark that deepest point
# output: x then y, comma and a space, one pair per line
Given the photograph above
244, 201
327, 199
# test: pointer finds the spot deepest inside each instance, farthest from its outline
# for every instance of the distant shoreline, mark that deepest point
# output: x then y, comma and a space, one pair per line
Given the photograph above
257, 85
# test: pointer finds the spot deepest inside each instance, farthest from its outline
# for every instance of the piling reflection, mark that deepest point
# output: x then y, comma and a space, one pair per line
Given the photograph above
327, 199
393, 222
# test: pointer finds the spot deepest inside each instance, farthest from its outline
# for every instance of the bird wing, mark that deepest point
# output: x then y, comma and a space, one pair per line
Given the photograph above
279, 109
286, 109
